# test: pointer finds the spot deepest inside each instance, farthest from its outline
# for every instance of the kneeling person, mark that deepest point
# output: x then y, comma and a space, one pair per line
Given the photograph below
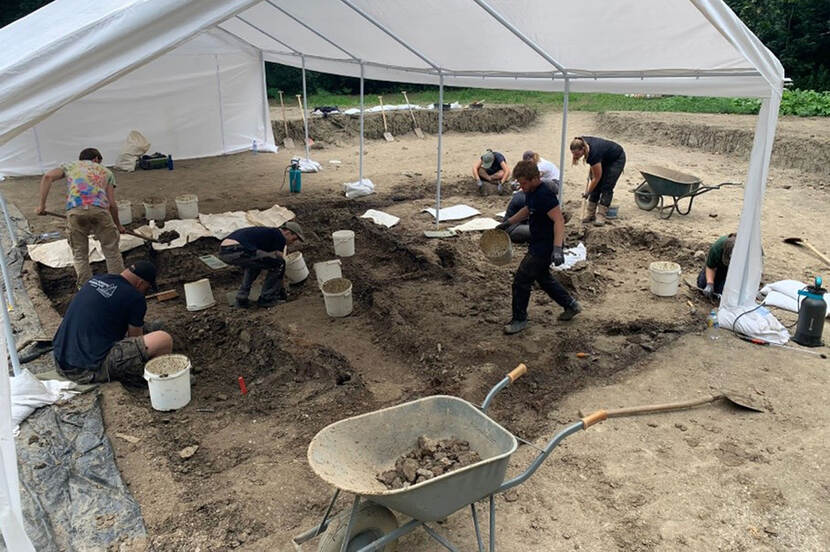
713, 276
101, 337
258, 248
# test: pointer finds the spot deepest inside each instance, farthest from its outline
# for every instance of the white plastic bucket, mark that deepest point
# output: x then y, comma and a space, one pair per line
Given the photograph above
295, 269
168, 378
198, 294
125, 212
337, 293
188, 206
665, 277
155, 208
343, 243
326, 270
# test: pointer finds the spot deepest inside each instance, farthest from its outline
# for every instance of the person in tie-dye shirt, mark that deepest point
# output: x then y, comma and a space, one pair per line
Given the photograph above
90, 209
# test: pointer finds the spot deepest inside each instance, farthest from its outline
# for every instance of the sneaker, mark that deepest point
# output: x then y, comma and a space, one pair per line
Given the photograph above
280, 297
570, 312
515, 326
242, 302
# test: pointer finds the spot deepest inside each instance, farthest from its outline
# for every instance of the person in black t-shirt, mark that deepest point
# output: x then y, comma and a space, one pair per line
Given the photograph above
258, 248
607, 161
547, 234
101, 337
492, 168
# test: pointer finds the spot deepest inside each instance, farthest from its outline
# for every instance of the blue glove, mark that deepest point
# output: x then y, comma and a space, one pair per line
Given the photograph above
558, 256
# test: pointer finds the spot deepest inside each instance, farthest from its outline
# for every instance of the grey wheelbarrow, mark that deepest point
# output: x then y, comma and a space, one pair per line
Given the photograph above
350, 453
660, 182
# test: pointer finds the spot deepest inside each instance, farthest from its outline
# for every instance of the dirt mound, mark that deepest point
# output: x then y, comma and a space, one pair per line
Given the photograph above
336, 128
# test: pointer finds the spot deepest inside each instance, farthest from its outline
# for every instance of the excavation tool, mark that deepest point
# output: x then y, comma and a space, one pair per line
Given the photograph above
739, 401
757, 341
386, 133
308, 141
418, 132
660, 182
288, 142
130, 232
801, 242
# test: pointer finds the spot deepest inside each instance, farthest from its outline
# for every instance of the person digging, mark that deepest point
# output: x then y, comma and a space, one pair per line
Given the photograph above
101, 337
492, 168
712, 277
258, 248
547, 234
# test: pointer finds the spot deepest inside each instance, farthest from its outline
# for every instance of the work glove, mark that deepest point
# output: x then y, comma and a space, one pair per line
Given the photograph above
558, 256
585, 195
503, 225
709, 291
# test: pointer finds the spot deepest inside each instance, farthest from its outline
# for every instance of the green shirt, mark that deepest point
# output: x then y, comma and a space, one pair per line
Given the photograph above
714, 259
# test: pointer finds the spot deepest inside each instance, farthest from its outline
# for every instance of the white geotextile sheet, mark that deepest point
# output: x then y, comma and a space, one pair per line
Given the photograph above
376, 109
58, 254
572, 256
784, 294
189, 231
456, 212
222, 224
476, 225
381, 218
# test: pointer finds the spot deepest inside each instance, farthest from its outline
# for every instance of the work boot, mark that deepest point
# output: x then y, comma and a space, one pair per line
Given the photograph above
280, 297
601, 218
242, 302
590, 213
570, 311
272, 290
515, 327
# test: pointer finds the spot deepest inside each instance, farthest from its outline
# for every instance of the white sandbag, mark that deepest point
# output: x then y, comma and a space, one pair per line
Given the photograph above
358, 189
784, 294
308, 165
134, 147
29, 393
759, 323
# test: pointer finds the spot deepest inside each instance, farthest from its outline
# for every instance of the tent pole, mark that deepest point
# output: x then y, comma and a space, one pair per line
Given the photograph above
305, 110
360, 174
219, 101
440, 140
564, 139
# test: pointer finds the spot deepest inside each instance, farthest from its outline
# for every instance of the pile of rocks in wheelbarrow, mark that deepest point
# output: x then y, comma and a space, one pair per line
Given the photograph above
430, 458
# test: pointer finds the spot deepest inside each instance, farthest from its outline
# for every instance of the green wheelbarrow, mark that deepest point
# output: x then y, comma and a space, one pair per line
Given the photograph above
660, 182
350, 453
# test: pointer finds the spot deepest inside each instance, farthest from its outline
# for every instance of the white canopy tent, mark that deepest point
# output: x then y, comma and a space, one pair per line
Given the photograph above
190, 73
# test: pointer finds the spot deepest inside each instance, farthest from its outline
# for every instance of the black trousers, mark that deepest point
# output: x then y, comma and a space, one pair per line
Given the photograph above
253, 261
604, 192
536, 269
720, 279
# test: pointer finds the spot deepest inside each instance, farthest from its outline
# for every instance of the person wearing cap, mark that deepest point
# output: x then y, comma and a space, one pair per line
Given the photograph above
90, 209
258, 248
101, 337
548, 172
607, 161
547, 236
491, 167
712, 277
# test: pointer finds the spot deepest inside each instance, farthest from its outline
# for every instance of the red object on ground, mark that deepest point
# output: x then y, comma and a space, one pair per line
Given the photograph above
242, 386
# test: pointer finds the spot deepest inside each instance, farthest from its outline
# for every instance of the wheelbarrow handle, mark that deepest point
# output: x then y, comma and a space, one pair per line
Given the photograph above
511, 377
594, 418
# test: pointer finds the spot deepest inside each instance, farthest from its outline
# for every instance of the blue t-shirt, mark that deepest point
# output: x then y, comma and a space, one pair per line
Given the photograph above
96, 319
539, 203
263, 238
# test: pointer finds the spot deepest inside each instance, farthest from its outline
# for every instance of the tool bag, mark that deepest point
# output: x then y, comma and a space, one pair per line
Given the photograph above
154, 161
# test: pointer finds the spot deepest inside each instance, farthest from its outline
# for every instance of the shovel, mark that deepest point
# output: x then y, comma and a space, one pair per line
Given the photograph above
308, 141
287, 141
126, 230
418, 132
386, 133
800, 242
735, 400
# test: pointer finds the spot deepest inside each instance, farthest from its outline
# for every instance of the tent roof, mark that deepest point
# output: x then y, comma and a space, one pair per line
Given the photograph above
70, 48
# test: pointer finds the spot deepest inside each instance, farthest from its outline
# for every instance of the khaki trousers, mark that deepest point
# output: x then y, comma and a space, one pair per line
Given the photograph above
80, 224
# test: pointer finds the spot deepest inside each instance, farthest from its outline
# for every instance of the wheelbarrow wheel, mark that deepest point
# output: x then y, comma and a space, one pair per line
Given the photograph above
645, 197
371, 523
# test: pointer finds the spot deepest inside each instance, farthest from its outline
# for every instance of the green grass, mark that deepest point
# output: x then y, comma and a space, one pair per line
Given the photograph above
549, 100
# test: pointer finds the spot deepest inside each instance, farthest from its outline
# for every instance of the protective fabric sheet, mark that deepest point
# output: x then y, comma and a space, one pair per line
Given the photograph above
456, 212
381, 218
222, 224
189, 231
476, 225
275, 216
58, 254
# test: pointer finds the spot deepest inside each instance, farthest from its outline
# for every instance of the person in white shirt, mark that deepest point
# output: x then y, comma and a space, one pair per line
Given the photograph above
548, 171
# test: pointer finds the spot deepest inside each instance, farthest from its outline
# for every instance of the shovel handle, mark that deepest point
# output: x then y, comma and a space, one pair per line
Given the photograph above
54, 214
517, 372
664, 407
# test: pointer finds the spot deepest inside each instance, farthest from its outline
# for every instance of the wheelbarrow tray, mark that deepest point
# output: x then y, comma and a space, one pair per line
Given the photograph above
349, 454
669, 182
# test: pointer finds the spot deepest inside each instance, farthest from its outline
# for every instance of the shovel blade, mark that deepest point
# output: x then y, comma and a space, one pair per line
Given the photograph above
388, 136
419, 133
743, 401
288, 143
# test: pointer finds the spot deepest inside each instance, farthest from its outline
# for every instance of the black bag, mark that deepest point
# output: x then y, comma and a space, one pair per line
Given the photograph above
154, 161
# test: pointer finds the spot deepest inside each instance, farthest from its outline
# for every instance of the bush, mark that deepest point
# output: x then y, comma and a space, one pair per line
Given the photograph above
805, 103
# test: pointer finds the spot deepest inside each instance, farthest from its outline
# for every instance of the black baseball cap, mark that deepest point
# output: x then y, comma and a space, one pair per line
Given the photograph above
146, 271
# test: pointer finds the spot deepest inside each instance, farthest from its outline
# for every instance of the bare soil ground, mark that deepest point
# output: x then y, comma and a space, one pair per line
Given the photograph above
427, 319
